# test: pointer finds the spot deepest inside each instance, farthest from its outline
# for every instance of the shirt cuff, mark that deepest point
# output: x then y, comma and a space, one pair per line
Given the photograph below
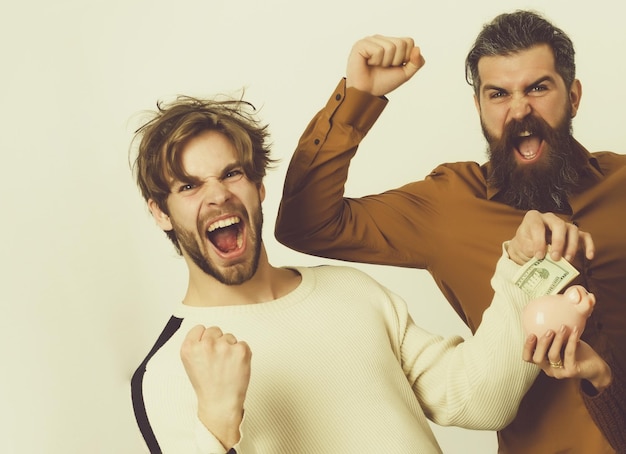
207, 443
356, 108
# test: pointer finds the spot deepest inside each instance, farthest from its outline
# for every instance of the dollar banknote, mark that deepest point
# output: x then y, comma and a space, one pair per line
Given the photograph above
545, 276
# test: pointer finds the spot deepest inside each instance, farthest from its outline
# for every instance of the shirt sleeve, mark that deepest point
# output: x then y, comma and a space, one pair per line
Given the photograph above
207, 443
608, 408
478, 383
313, 216
316, 218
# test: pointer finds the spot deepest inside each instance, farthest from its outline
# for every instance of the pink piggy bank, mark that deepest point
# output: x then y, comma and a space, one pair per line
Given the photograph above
571, 309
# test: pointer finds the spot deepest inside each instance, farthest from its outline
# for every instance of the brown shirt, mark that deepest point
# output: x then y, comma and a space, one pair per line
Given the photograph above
451, 224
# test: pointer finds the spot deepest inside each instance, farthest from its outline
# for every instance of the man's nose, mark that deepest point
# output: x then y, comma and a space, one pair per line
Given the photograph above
216, 192
520, 107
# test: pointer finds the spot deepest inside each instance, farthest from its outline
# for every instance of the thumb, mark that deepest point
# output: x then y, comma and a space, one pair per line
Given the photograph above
416, 61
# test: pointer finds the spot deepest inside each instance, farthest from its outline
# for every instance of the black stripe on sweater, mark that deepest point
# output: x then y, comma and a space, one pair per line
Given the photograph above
136, 386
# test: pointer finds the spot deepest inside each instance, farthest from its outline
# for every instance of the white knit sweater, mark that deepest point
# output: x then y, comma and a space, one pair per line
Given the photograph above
338, 365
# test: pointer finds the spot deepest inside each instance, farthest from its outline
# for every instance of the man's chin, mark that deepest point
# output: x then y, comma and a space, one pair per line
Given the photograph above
535, 168
229, 275
233, 271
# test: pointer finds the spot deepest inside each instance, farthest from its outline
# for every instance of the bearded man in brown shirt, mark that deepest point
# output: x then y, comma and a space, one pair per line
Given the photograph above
453, 222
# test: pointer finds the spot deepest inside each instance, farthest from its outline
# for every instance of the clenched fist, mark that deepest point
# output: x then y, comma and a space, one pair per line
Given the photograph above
379, 64
218, 367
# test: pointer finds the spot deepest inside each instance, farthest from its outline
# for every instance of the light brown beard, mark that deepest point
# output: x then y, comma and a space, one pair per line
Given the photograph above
545, 185
233, 275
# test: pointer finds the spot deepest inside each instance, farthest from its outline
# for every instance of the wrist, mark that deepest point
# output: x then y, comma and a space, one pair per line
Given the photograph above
601, 380
224, 425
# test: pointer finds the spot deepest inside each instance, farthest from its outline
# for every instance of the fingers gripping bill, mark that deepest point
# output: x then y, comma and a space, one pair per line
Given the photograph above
545, 276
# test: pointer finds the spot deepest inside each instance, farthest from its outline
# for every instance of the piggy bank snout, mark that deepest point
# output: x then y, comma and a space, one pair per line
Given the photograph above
583, 301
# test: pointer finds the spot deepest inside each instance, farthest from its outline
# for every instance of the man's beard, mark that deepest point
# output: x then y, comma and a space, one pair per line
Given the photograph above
233, 274
544, 185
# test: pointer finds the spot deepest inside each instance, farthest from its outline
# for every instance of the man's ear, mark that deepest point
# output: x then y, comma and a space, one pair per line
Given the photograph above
575, 93
262, 192
161, 218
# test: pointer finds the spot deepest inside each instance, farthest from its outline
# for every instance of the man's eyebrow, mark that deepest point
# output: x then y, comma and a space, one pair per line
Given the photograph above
492, 87
532, 84
232, 165
229, 168
183, 179
541, 80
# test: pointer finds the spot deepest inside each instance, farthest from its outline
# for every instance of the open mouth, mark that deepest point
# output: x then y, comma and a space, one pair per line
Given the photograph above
226, 234
528, 145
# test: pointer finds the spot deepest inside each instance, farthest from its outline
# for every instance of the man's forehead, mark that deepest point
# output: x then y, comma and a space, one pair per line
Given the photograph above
209, 148
527, 63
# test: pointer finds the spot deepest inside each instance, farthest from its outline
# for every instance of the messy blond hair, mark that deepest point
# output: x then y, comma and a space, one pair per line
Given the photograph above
163, 138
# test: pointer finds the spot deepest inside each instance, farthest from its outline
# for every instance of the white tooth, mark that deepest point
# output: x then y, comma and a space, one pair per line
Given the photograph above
239, 240
525, 134
223, 223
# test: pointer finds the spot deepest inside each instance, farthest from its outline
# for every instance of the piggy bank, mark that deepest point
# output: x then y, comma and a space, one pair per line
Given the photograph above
572, 308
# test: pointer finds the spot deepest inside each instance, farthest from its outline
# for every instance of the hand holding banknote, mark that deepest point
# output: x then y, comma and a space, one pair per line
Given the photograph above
538, 231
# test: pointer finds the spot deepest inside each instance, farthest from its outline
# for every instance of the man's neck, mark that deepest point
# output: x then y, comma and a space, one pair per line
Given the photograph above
267, 284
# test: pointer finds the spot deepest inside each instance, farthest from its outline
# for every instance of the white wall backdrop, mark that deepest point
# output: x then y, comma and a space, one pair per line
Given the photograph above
88, 279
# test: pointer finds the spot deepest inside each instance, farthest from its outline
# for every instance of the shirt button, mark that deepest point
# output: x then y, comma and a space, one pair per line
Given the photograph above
317, 141
338, 96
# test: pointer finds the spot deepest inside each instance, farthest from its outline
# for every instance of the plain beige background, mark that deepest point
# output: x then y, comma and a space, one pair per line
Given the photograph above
88, 280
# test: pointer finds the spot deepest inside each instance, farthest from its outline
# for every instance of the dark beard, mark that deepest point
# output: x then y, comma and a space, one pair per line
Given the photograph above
234, 274
546, 185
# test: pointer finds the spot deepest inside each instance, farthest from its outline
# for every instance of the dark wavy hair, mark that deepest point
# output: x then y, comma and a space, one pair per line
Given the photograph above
163, 138
513, 32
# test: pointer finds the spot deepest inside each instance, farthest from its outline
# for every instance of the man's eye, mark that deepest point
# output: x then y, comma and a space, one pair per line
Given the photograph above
538, 88
497, 94
233, 174
186, 187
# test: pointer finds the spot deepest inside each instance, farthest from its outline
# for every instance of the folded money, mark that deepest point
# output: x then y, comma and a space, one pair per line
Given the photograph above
539, 277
